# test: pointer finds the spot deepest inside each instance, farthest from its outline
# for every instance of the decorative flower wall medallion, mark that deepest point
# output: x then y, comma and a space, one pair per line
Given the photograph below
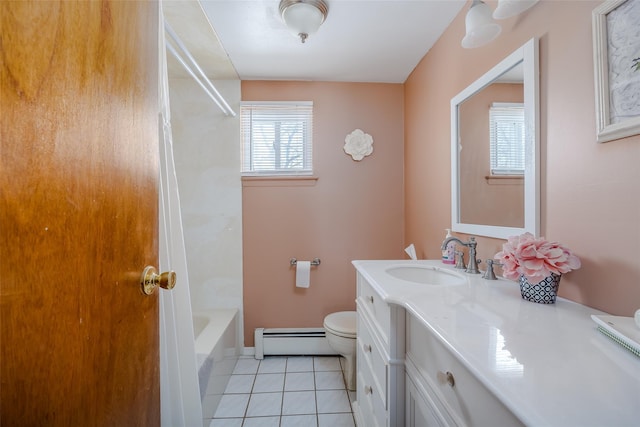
358, 144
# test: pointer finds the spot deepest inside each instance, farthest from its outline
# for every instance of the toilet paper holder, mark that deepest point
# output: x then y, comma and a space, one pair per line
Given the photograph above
316, 261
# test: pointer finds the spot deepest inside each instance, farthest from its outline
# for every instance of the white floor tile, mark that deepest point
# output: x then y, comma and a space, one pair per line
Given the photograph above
335, 420
299, 421
268, 383
310, 399
272, 365
262, 422
299, 381
331, 380
299, 403
246, 366
326, 363
240, 384
232, 406
332, 401
299, 364
264, 404
226, 422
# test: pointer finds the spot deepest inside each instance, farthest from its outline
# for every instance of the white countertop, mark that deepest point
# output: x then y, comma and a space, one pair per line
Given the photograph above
547, 363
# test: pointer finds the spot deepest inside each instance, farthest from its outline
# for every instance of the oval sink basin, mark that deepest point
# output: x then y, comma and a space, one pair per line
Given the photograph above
425, 275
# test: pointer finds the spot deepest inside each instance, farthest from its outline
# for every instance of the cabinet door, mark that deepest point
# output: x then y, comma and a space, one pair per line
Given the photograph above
418, 411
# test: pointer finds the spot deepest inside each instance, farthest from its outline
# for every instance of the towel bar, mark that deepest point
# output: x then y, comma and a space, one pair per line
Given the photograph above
316, 261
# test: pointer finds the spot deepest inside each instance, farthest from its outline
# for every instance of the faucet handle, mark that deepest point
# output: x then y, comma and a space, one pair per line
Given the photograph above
489, 274
459, 255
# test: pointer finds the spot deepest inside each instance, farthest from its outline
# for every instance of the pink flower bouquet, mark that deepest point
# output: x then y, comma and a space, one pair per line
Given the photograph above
535, 258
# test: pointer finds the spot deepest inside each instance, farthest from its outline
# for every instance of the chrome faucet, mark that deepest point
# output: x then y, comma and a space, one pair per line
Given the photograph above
490, 274
472, 267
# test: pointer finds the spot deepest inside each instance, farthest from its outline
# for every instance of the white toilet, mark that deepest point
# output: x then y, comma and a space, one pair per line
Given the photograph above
340, 331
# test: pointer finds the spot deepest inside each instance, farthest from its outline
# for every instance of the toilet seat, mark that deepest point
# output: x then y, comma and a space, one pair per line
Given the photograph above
342, 323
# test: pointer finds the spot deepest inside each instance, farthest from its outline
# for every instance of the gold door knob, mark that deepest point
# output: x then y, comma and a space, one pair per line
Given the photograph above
150, 280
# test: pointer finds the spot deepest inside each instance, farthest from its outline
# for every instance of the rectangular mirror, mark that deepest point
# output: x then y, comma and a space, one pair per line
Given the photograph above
495, 150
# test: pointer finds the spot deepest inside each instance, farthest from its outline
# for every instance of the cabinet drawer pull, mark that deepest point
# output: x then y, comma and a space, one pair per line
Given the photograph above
367, 348
370, 299
368, 389
446, 378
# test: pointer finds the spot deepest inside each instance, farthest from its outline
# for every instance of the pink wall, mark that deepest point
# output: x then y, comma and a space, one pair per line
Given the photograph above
353, 211
590, 191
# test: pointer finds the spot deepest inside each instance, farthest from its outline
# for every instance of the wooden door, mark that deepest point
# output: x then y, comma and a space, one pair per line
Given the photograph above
78, 213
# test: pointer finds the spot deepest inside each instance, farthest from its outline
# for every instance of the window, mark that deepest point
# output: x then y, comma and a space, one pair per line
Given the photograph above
506, 138
276, 138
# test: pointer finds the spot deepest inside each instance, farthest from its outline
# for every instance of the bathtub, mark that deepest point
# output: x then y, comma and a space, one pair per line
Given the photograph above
217, 351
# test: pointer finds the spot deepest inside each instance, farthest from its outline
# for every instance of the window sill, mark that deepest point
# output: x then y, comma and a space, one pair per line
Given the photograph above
504, 179
279, 181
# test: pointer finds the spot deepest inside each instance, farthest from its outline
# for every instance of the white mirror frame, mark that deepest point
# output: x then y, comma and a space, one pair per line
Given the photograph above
528, 55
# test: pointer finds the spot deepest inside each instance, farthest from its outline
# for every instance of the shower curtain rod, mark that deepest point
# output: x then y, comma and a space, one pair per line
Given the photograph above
203, 81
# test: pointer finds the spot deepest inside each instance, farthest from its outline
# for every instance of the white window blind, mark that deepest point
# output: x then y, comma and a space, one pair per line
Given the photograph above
506, 138
276, 138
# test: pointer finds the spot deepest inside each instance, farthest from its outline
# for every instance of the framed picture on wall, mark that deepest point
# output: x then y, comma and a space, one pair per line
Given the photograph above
616, 57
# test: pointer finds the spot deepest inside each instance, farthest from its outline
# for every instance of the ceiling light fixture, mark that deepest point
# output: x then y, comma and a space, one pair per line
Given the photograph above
481, 28
508, 8
303, 17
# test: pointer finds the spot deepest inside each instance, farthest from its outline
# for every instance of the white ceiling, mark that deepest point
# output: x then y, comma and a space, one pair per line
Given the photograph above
360, 41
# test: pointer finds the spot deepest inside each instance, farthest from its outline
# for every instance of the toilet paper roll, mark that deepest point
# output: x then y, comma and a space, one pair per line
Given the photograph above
303, 270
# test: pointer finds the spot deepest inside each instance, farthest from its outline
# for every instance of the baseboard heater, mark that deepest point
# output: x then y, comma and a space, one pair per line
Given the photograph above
291, 342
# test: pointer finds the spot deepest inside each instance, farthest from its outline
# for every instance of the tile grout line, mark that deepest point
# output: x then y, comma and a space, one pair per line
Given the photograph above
284, 386
253, 384
315, 392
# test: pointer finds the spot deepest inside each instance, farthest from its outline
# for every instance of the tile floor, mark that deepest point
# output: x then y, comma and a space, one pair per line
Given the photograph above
286, 391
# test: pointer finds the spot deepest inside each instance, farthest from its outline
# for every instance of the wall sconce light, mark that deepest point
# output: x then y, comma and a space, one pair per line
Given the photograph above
480, 27
508, 8
303, 17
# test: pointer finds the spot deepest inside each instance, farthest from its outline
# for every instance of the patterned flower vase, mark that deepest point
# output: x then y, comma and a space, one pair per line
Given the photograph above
543, 292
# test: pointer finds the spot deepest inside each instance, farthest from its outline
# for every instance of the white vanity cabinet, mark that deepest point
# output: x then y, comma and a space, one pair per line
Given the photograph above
474, 353
406, 377
441, 391
420, 409
380, 360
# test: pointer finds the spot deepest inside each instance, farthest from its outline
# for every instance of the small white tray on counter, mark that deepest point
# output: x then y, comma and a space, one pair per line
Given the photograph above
622, 330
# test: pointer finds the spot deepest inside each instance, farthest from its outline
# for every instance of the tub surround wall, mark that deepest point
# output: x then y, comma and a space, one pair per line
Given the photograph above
352, 211
207, 160
589, 190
